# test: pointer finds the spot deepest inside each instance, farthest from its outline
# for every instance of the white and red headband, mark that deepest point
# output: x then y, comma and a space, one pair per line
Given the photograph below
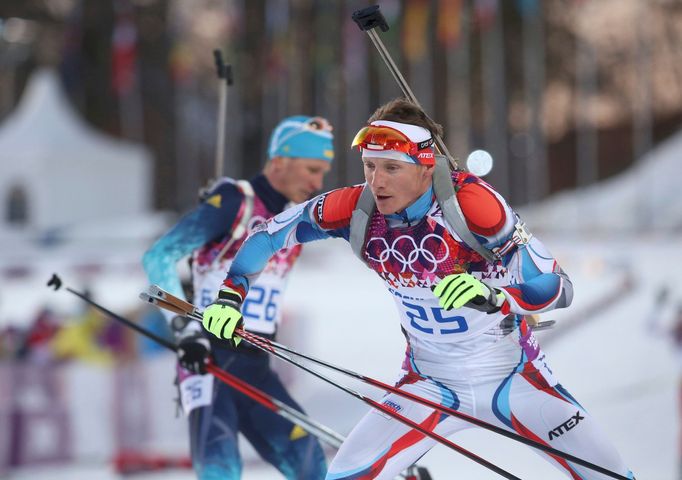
415, 134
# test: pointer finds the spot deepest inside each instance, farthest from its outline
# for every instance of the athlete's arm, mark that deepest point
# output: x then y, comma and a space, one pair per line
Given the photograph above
209, 221
325, 216
539, 283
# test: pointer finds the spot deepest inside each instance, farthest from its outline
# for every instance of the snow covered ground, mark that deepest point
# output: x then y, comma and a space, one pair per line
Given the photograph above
622, 373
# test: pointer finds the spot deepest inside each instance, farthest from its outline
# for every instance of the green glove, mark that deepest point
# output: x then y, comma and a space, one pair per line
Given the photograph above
460, 289
223, 317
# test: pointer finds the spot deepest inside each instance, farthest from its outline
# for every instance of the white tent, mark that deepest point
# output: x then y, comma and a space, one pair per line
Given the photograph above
59, 171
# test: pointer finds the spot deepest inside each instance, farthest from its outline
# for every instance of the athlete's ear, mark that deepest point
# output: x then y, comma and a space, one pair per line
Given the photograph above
278, 163
428, 171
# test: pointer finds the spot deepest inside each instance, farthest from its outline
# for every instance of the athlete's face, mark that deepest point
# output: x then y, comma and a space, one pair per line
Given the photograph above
395, 184
299, 179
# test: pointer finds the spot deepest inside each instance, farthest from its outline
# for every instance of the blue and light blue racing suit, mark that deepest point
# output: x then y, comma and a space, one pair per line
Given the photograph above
214, 426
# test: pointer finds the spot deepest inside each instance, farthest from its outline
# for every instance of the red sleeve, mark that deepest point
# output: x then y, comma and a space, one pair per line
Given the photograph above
484, 213
238, 288
334, 209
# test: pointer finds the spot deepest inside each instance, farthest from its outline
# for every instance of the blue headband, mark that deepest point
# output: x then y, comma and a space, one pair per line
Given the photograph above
304, 137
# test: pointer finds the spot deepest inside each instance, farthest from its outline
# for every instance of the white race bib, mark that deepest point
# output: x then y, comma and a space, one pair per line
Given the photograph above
196, 391
262, 307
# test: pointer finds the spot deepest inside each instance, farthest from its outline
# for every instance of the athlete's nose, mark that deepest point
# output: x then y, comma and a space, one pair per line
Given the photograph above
377, 179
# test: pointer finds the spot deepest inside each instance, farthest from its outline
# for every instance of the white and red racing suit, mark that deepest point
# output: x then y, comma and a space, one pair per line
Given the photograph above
485, 365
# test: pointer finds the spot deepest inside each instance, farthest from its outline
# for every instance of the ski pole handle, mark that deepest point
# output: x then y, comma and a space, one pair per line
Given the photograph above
368, 19
223, 70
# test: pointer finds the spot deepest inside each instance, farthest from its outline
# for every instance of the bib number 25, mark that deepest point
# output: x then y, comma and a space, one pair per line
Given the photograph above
432, 320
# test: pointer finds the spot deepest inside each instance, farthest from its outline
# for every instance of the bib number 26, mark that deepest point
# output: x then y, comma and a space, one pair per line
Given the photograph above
261, 303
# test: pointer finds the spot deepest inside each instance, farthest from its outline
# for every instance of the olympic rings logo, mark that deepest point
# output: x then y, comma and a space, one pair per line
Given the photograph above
408, 256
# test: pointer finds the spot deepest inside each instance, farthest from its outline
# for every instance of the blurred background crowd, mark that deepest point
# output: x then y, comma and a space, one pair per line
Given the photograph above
606, 90
108, 131
88, 336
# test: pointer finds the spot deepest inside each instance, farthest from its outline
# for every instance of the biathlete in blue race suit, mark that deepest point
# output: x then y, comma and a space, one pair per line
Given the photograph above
300, 154
469, 346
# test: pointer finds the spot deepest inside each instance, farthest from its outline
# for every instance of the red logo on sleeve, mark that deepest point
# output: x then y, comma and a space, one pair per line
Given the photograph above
334, 209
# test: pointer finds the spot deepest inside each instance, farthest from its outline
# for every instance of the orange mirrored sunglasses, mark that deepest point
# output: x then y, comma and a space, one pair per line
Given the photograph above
386, 138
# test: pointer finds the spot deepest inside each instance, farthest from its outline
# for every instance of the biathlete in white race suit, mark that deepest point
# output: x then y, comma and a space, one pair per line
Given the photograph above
300, 154
468, 346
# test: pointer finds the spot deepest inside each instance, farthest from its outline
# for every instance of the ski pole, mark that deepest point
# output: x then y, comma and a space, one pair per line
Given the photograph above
225, 78
422, 428
165, 299
320, 431
369, 18
273, 347
173, 304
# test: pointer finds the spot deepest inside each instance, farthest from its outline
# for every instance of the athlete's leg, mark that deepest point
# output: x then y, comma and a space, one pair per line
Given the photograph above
381, 447
289, 448
213, 435
213, 429
530, 402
